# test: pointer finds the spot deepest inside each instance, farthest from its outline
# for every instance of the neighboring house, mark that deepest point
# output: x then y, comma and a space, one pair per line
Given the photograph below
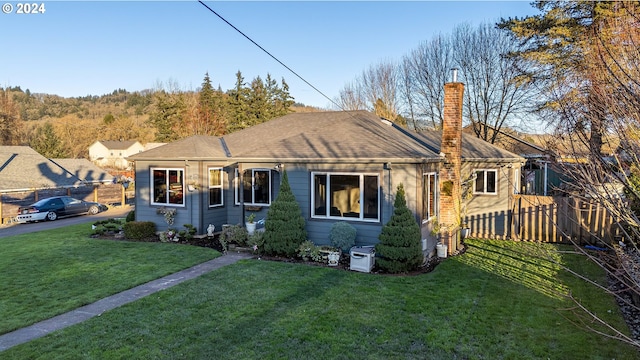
26, 176
113, 153
24, 169
342, 166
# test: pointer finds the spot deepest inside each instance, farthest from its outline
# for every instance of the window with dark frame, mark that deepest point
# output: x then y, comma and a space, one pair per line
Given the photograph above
429, 193
486, 182
167, 186
354, 196
215, 187
256, 187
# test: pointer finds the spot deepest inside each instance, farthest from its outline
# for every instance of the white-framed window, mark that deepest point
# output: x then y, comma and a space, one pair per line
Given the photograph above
486, 182
429, 195
256, 187
516, 181
355, 196
215, 187
167, 186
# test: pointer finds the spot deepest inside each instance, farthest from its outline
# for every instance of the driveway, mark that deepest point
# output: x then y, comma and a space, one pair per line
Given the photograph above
17, 229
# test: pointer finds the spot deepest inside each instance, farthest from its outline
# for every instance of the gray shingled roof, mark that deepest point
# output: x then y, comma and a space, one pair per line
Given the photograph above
323, 136
84, 170
117, 144
197, 147
473, 148
22, 168
335, 135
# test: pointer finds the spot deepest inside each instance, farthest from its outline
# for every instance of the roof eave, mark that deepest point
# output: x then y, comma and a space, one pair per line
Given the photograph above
498, 160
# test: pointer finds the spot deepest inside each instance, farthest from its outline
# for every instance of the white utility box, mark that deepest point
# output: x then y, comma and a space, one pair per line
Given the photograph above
362, 258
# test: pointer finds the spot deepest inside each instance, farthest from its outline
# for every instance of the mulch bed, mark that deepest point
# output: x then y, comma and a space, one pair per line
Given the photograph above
343, 264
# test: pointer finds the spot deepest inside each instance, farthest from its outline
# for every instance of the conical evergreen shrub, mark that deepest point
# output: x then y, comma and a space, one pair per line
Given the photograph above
284, 224
400, 247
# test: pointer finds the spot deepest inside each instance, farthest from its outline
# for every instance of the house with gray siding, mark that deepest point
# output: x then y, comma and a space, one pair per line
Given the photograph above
341, 165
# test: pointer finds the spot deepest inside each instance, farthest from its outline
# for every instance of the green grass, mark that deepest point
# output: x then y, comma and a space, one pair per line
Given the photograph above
51, 272
499, 300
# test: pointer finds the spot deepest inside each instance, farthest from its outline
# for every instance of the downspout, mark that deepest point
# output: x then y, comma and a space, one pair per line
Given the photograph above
390, 202
241, 191
545, 177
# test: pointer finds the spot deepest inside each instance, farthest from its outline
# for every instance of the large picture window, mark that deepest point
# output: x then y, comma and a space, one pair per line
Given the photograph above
429, 195
486, 182
256, 187
345, 195
167, 186
215, 187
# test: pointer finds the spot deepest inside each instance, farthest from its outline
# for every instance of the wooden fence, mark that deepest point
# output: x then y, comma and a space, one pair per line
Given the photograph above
559, 219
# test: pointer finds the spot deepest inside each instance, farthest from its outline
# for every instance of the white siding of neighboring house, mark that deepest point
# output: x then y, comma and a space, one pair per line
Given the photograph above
105, 157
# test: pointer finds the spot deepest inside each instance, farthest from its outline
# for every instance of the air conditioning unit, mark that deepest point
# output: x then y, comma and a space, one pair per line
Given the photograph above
362, 258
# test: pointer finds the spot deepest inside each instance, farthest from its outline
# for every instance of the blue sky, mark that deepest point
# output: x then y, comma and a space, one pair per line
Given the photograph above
79, 48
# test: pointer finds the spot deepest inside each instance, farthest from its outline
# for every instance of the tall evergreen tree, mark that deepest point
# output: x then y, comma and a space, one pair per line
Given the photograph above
563, 42
282, 101
167, 115
238, 105
47, 143
400, 247
211, 114
284, 226
258, 102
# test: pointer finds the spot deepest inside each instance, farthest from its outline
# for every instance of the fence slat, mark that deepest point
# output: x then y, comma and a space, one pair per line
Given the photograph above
558, 219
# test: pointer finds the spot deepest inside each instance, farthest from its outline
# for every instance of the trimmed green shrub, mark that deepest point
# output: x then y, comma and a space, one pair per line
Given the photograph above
400, 247
236, 234
188, 232
131, 216
342, 235
309, 251
284, 225
139, 230
256, 241
103, 227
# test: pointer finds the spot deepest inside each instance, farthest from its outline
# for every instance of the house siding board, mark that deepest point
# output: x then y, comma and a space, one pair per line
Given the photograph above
333, 142
367, 232
487, 215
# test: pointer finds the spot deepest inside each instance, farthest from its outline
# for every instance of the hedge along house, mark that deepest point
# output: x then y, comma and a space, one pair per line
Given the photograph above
342, 166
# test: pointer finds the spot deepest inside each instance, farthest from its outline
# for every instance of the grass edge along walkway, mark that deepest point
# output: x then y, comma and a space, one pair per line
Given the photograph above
86, 312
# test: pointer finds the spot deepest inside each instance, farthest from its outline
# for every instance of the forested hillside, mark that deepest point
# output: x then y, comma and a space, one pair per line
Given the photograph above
65, 127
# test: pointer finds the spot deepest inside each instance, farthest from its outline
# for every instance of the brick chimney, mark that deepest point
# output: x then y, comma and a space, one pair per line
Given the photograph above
451, 147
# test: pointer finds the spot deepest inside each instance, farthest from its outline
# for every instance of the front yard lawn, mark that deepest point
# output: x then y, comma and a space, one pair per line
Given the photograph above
496, 301
47, 273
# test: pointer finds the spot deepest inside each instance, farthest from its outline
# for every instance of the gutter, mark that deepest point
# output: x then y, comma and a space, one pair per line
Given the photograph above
340, 160
498, 160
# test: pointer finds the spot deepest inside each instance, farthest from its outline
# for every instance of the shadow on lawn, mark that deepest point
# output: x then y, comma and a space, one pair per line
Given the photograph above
535, 266
285, 307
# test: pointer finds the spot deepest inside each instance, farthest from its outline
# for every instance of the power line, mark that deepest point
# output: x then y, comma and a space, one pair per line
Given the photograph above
268, 53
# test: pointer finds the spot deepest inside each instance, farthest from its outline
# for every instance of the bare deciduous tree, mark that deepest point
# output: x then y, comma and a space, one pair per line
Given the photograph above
10, 123
495, 91
425, 70
351, 97
380, 87
376, 90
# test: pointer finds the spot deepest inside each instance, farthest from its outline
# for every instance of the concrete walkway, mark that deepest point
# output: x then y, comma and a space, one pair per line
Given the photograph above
86, 312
